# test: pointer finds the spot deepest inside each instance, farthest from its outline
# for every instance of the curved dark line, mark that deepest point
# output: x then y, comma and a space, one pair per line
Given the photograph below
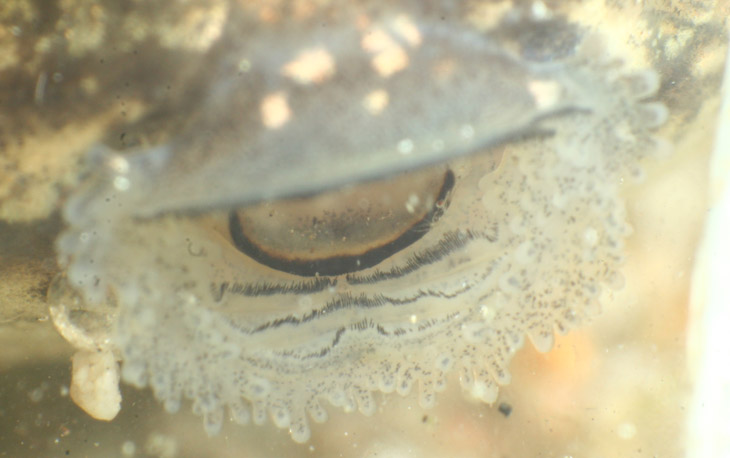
338, 265
348, 301
450, 242
365, 325
308, 286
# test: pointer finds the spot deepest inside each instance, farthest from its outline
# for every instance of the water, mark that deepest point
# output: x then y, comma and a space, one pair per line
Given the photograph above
616, 387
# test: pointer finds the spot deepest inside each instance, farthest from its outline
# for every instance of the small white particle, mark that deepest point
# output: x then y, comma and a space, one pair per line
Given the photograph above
376, 101
467, 131
405, 146
275, 110
244, 65
412, 203
121, 183
119, 164
128, 448
487, 313
590, 236
540, 11
545, 93
626, 430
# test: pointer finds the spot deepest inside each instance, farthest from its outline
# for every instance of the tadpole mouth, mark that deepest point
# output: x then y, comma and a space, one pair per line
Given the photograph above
327, 235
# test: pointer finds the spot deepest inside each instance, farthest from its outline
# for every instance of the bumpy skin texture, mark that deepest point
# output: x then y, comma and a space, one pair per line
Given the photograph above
521, 250
71, 70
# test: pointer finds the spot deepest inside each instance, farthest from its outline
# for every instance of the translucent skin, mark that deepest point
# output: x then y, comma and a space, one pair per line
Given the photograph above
520, 250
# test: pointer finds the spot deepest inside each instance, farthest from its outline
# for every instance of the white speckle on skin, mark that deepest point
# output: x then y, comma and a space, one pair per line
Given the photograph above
405, 146
121, 183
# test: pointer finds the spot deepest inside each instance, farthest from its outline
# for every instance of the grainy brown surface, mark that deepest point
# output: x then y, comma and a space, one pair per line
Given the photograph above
615, 388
